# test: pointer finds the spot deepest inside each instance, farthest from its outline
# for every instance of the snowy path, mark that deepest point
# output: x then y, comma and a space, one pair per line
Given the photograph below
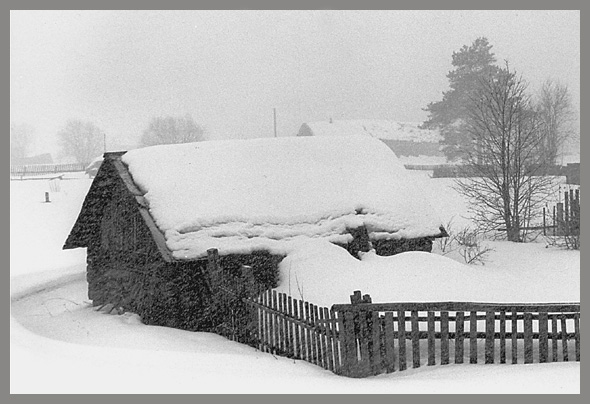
77, 349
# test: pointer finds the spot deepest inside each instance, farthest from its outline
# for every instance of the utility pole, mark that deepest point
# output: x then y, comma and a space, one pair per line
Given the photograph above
275, 119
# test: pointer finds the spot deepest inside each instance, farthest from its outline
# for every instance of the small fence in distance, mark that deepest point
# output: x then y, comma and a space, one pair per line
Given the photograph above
565, 215
364, 338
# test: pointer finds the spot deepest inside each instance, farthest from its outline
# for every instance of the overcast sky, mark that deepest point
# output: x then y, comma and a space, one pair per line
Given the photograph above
229, 69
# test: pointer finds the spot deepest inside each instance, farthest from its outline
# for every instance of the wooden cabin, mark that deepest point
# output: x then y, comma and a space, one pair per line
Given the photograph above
138, 261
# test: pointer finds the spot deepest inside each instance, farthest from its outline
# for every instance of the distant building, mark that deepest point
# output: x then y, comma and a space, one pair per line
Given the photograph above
405, 139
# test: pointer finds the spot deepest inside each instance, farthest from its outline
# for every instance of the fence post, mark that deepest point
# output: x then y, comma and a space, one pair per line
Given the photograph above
354, 336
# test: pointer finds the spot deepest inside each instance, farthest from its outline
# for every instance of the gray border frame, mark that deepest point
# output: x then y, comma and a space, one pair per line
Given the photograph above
260, 4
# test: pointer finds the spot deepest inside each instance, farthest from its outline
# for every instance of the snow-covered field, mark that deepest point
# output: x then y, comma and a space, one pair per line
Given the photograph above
60, 344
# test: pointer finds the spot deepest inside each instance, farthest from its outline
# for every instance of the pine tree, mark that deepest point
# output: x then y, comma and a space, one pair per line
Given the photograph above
448, 115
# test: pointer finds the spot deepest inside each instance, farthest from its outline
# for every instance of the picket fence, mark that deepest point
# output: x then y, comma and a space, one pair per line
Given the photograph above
362, 338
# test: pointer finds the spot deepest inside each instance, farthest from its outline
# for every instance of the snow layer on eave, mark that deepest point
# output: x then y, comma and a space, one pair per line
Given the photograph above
380, 129
245, 195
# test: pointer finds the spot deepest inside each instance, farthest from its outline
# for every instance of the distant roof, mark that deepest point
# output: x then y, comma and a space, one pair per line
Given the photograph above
243, 195
380, 129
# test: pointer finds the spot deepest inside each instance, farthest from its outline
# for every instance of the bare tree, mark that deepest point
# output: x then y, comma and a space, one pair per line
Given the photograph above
172, 130
556, 113
21, 137
81, 140
510, 186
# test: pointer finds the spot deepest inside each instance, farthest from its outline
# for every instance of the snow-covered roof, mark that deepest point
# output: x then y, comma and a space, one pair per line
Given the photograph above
261, 194
380, 129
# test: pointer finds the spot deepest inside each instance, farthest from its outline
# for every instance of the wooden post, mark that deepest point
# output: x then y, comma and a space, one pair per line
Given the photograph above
401, 334
564, 338
473, 337
560, 226
47, 197
502, 337
554, 222
444, 338
577, 331
544, 223
543, 337
528, 338
459, 330
415, 332
431, 360
554, 336
514, 337
567, 214
490, 331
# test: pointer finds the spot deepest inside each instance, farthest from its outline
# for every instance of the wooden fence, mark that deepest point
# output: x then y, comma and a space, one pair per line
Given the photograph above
21, 171
566, 216
364, 338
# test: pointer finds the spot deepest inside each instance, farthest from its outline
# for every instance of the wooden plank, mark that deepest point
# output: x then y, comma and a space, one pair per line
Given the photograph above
286, 325
305, 332
268, 322
328, 346
514, 339
577, 319
431, 357
444, 338
554, 337
528, 338
282, 323
459, 337
389, 343
296, 341
415, 332
290, 332
543, 337
339, 347
502, 337
376, 347
473, 337
490, 331
564, 338
310, 335
275, 322
351, 356
363, 341
260, 324
319, 336
401, 334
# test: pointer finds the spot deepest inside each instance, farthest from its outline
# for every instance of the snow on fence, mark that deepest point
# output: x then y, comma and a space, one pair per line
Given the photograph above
21, 171
364, 338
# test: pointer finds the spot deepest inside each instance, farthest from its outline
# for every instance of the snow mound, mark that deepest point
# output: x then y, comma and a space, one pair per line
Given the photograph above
245, 195
380, 129
324, 274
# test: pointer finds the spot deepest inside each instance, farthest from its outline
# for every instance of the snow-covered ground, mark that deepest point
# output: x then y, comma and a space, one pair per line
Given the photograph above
60, 344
